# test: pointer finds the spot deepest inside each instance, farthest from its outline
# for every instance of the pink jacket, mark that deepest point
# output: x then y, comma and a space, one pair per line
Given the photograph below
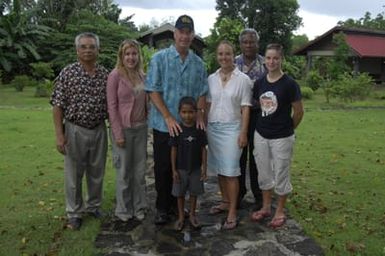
120, 102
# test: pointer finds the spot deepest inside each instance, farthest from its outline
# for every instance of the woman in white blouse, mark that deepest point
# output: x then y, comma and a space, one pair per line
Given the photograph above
228, 116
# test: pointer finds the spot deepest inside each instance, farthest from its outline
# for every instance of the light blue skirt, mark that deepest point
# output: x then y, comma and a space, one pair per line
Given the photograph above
223, 150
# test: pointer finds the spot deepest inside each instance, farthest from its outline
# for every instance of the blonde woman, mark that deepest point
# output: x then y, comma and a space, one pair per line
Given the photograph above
229, 104
127, 109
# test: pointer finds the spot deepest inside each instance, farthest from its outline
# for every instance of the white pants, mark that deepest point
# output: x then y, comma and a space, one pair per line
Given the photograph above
273, 159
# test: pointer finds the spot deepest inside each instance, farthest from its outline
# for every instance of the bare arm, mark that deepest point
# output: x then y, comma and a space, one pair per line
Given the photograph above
175, 173
298, 113
242, 139
61, 141
204, 164
173, 127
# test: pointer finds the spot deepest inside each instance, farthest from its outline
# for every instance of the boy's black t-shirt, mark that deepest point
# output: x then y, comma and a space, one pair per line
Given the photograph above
189, 145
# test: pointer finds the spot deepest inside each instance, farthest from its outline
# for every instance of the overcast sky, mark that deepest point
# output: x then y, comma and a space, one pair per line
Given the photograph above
318, 16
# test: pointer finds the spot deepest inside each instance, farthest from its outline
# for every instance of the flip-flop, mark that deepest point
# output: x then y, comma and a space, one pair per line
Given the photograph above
217, 209
194, 223
229, 224
179, 225
259, 215
277, 222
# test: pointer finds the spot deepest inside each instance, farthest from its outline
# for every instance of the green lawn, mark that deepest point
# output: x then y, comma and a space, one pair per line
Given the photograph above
338, 177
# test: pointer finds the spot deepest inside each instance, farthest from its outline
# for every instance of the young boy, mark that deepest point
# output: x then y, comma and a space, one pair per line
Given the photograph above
188, 161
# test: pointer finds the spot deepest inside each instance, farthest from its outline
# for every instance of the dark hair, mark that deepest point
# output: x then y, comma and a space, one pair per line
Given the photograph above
277, 47
187, 101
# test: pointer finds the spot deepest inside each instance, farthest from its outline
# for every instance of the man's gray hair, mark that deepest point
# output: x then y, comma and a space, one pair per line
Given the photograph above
248, 31
87, 34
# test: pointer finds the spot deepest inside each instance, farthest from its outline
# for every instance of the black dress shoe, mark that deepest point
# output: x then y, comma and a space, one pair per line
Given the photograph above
161, 219
74, 223
98, 214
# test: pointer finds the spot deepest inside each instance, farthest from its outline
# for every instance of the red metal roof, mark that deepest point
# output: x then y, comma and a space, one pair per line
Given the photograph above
367, 46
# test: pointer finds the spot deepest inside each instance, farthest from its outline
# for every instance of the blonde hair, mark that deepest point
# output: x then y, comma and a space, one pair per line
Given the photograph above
135, 75
226, 42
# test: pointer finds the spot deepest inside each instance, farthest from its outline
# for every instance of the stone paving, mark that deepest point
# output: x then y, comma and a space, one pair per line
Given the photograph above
249, 238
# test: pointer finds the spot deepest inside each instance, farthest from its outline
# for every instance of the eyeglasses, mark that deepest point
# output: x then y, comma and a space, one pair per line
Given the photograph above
85, 47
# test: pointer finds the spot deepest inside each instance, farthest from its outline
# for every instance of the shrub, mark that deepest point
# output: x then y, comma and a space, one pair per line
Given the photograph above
313, 80
291, 69
44, 88
19, 82
147, 54
42, 70
379, 95
348, 87
307, 92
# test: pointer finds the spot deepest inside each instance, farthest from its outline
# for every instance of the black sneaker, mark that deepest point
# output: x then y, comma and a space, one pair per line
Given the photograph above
98, 214
74, 223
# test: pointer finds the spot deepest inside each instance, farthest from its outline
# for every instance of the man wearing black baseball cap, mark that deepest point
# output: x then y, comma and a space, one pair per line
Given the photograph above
173, 73
185, 21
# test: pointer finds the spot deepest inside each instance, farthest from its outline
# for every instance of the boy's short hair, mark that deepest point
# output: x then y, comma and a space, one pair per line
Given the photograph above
187, 100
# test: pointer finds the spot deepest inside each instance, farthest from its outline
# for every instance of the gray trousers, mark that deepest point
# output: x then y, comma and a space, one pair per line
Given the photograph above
130, 165
86, 151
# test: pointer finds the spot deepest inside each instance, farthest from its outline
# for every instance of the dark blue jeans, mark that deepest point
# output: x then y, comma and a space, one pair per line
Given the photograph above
247, 156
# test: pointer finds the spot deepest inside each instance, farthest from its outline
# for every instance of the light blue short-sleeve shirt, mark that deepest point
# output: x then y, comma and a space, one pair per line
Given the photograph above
174, 79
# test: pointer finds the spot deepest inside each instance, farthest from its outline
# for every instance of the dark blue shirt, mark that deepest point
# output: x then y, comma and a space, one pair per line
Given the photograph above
274, 121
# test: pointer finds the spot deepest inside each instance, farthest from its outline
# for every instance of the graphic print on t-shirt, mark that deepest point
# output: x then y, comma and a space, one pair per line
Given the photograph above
268, 102
189, 138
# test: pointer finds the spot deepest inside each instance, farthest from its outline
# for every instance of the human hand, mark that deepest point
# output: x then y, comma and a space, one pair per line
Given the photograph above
61, 142
173, 127
201, 122
120, 143
242, 139
175, 177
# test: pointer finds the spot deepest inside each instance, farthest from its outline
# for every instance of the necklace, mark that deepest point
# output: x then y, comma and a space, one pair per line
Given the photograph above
225, 76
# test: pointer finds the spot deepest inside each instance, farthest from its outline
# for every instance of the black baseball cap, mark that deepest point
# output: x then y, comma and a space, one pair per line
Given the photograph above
184, 21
